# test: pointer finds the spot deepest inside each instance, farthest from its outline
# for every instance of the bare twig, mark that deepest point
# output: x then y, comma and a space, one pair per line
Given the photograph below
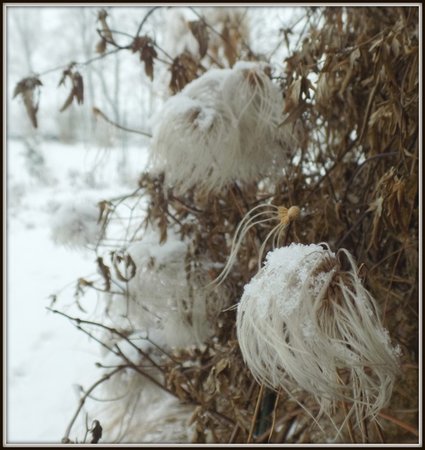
98, 112
405, 426
139, 29
84, 398
256, 411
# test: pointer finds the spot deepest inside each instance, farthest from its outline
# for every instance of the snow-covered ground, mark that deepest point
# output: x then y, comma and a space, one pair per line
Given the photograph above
47, 357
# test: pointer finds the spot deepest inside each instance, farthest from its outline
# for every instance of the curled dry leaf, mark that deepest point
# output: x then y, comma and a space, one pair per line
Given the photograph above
96, 432
101, 46
104, 205
200, 32
183, 71
106, 31
125, 267
77, 90
105, 271
26, 88
293, 96
78, 86
145, 46
231, 39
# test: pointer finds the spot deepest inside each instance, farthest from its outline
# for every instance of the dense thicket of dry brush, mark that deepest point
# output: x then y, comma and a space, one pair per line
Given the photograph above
351, 101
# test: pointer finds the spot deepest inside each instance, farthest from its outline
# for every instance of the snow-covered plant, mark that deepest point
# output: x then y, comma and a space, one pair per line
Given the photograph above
221, 127
167, 293
75, 223
165, 308
135, 407
304, 322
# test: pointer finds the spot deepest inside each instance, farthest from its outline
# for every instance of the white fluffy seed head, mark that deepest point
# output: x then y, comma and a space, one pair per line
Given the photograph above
75, 223
222, 127
166, 308
166, 295
303, 322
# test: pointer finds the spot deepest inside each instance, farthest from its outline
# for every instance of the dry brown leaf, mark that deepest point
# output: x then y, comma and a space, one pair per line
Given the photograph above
230, 43
26, 89
145, 46
77, 90
84, 282
68, 101
78, 85
101, 46
104, 205
127, 272
105, 271
183, 71
221, 365
293, 95
106, 31
200, 32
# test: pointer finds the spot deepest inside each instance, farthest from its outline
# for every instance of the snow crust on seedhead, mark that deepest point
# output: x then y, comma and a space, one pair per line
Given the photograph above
75, 223
221, 127
303, 322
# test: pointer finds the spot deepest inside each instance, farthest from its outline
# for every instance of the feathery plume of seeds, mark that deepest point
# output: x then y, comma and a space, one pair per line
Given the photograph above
305, 322
221, 127
166, 293
264, 213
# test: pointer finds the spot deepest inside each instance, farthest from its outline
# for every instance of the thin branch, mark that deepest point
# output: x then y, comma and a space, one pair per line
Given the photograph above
145, 19
84, 63
256, 411
111, 330
400, 423
98, 112
103, 55
273, 425
84, 398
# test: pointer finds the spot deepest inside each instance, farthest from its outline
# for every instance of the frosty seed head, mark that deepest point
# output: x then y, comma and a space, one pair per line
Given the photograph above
305, 322
166, 295
221, 127
75, 223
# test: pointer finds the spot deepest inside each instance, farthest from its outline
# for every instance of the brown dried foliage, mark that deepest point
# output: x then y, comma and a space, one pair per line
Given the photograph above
77, 86
355, 178
27, 88
145, 46
200, 32
184, 69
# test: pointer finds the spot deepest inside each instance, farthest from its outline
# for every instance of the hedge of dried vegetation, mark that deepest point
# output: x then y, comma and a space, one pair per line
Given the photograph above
351, 96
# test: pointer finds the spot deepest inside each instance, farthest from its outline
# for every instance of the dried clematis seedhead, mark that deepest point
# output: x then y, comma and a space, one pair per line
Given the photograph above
75, 223
264, 213
304, 322
221, 127
167, 293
